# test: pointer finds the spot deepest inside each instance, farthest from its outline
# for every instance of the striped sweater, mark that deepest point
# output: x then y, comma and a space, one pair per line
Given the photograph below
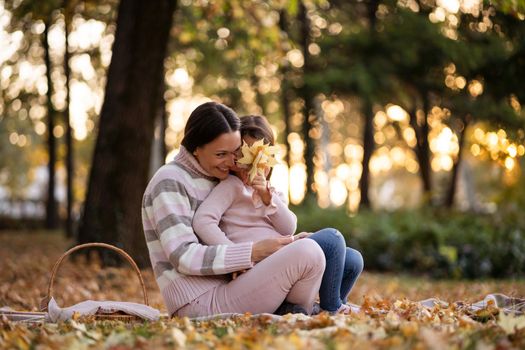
184, 269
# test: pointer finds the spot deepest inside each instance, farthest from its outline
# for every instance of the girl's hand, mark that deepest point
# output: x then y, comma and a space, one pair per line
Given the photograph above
260, 185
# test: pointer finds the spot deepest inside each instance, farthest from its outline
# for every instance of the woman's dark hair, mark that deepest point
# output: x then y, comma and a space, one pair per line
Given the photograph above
206, 123
257, 127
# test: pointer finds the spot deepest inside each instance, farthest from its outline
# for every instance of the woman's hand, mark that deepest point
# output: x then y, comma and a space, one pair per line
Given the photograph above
260, 185
237, 274
267, 247
302, 235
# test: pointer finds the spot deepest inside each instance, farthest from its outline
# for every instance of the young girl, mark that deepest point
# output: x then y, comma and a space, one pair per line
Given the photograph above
240, 209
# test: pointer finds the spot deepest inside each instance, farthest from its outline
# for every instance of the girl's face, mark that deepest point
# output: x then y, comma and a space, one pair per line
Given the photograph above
242, 173
218, 156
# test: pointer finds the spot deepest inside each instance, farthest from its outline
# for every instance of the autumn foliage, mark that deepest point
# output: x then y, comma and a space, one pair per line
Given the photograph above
391, 315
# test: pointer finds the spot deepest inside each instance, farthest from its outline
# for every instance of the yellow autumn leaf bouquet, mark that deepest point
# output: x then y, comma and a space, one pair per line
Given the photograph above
258, 157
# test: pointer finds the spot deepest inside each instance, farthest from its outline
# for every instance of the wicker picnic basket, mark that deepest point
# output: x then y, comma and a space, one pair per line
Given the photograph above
98, 316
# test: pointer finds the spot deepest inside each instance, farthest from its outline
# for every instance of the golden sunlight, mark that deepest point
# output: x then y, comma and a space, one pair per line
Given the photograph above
338, 191
445, 142
475, 150
512, 150
475, 88
451, 6
280, 179
297, 186
295, 57
509, 163
353, 152
396, 113
322, 188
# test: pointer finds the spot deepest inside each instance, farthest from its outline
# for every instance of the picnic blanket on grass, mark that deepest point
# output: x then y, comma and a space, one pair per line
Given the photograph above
501, 302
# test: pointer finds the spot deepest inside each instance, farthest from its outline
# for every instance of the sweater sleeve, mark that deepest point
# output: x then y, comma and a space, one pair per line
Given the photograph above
170, 211
283, 219
208, 215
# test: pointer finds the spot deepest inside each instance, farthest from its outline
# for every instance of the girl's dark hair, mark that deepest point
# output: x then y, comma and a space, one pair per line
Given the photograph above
206, 123
257, 127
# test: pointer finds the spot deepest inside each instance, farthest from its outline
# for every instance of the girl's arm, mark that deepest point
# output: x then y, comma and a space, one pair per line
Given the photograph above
283, 219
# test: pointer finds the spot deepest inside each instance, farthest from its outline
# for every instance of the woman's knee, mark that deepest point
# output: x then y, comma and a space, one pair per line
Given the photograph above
310, 252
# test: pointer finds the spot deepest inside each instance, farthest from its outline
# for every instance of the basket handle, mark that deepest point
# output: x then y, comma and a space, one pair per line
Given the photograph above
45, 301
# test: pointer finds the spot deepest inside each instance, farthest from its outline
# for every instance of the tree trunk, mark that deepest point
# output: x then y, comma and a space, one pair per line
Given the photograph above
158, 147
368, 133
368, 150
285, 102
69, 131
451, 192
51, 204
426, 170
259, 98
119, 172
422, 151
308, 112
163, 125
285, 95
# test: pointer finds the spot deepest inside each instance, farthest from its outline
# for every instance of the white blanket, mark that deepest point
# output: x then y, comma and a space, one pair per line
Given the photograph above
91, 307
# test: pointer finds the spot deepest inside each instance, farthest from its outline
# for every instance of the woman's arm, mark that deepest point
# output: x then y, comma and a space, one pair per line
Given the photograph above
167, 209
208, 216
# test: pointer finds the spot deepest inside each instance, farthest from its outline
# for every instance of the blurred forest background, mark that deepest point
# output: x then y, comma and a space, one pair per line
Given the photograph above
400, 122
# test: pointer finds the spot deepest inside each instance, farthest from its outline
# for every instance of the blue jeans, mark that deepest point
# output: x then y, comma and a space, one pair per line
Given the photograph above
343, 267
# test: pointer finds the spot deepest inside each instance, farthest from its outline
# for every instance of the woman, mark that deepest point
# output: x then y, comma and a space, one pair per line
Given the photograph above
193, 278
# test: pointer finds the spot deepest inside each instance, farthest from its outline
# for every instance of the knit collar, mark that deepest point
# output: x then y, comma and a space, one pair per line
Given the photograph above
191, 164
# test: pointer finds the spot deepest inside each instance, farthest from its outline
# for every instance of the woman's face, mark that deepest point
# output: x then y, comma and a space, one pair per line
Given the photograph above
218, 156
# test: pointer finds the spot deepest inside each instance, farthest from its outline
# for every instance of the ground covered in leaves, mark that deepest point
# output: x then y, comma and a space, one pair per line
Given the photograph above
391, 317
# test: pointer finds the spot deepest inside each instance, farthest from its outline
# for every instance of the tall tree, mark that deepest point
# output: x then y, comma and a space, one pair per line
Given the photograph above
119, 172
285, 88
419, 72
356, 63
27, 12
418, 119
307, 95
489, 65
368, 112
51, 202
67, 11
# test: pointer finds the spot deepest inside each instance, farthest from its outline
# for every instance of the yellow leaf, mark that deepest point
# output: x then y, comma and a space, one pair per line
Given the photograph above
511, 323
247, 157
409, 329
258, 157
392, 319
179, 337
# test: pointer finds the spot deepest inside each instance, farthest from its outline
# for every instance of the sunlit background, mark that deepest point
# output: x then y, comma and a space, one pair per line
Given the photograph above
491, 159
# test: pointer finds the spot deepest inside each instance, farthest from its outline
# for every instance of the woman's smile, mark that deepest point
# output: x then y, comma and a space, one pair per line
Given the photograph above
218, 156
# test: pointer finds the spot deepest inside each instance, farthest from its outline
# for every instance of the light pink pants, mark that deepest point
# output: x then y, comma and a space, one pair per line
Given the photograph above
293, 273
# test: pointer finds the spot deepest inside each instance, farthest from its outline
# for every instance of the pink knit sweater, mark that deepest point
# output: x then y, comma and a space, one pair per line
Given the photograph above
185, 269
233, 212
